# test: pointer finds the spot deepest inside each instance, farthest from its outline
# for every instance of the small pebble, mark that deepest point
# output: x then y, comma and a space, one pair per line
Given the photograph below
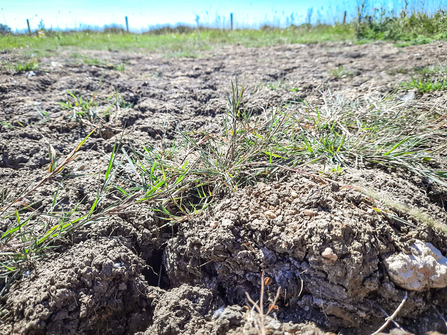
213, 224
309, 212
329, 254
270, 215
294, 194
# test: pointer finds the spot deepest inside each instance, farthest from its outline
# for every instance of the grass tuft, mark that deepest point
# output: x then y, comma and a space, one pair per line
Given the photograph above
341, 72
182, 180
120, 67
26, 66
431, 70
88, 110
425, 85
31, 230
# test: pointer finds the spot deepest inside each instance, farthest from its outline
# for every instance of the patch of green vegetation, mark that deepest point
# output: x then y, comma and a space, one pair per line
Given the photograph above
425, 85
83, 109
26, 66
431, 70
44, 115
79, 102
31, 230
409, 27
337, 170
250, 148
419, 40
275, 85
182, 54
89, 109
92, 61
400, 70
421, 70
342, 72
117, 100
87, 60
6, 125
120, 67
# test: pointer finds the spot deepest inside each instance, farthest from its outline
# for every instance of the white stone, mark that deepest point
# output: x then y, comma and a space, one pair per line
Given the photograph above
329, 254
424, 268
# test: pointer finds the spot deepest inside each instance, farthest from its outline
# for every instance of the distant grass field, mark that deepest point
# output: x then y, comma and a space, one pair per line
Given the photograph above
403, 30
175, 42
408, 23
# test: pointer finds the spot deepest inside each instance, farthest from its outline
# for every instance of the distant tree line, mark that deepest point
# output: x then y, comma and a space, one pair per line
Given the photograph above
4, 29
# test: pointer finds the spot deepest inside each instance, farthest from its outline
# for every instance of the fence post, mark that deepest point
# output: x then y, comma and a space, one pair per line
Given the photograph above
344, 18
29, 29
127, 25
231, 15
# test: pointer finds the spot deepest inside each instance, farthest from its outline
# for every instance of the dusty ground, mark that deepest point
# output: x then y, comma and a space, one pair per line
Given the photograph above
107, 279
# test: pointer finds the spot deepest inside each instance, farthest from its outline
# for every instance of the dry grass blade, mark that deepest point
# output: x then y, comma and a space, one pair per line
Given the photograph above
53, 171
387, 201
53, 161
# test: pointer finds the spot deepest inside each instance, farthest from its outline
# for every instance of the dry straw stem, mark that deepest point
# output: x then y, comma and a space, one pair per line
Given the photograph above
259, 307
389, 319
386, 200
441, 316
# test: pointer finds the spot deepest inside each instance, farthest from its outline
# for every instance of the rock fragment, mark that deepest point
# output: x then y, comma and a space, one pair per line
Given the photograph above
329, 254
424, 268
309, 212
270, 215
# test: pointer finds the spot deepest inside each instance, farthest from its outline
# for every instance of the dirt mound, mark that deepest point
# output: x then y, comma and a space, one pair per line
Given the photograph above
184, 310
323, 244
196, 310
94, 285
326, 239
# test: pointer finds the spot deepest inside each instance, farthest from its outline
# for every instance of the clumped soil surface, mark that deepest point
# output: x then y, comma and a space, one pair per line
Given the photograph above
132, 274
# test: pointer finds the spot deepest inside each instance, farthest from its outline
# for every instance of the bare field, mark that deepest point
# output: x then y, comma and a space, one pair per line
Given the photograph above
345, 239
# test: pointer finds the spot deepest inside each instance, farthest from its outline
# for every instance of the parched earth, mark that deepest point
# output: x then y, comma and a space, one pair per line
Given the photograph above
334, 257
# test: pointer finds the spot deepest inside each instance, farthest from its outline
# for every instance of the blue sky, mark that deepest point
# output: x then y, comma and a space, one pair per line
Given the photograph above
144, 13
